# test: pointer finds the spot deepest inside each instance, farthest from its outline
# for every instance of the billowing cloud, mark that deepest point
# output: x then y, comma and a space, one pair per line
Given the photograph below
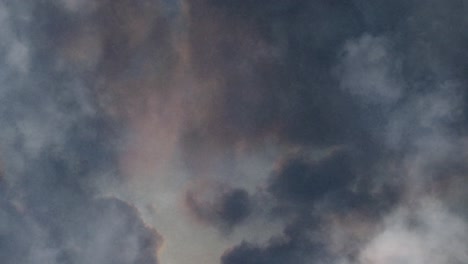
59, 149
427, 233
176, 131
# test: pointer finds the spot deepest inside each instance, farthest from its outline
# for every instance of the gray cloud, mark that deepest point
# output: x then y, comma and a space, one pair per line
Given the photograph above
231, 208
302, 182
309, 131
58, 148
297, 243
371, 70
429, 233
408, 111
278, 80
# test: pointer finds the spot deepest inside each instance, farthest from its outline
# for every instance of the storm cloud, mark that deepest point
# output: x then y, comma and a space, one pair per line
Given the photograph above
230, 209
212, 131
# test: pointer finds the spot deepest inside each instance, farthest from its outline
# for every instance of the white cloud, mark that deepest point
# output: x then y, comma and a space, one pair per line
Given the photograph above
425, 233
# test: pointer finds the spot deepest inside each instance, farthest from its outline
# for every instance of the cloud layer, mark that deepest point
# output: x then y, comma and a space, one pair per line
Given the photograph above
208, 131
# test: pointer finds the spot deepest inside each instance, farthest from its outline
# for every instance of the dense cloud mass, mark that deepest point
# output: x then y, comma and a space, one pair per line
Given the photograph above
233, 132
230, 209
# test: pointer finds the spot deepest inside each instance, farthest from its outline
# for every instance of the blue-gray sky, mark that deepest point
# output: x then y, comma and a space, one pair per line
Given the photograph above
233, 132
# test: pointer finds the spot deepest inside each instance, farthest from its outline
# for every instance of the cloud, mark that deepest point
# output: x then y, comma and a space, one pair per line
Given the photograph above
228, 209
277, 83
103, 230
429, 233
297, 243
302, 182
371, 70
406, 108
59, 150
111, 232
302, 131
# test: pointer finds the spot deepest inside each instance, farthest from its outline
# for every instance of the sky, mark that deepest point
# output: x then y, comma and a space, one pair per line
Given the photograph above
233, 132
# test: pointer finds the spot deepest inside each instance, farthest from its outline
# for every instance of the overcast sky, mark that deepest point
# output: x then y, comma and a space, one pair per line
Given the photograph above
233, 132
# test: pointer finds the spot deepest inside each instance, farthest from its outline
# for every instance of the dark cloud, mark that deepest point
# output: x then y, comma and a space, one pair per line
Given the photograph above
235, 207
297, 244
301, 184
270, 68
385, 66
307, 194
279, 80
363, 104
301, 181
228, 209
